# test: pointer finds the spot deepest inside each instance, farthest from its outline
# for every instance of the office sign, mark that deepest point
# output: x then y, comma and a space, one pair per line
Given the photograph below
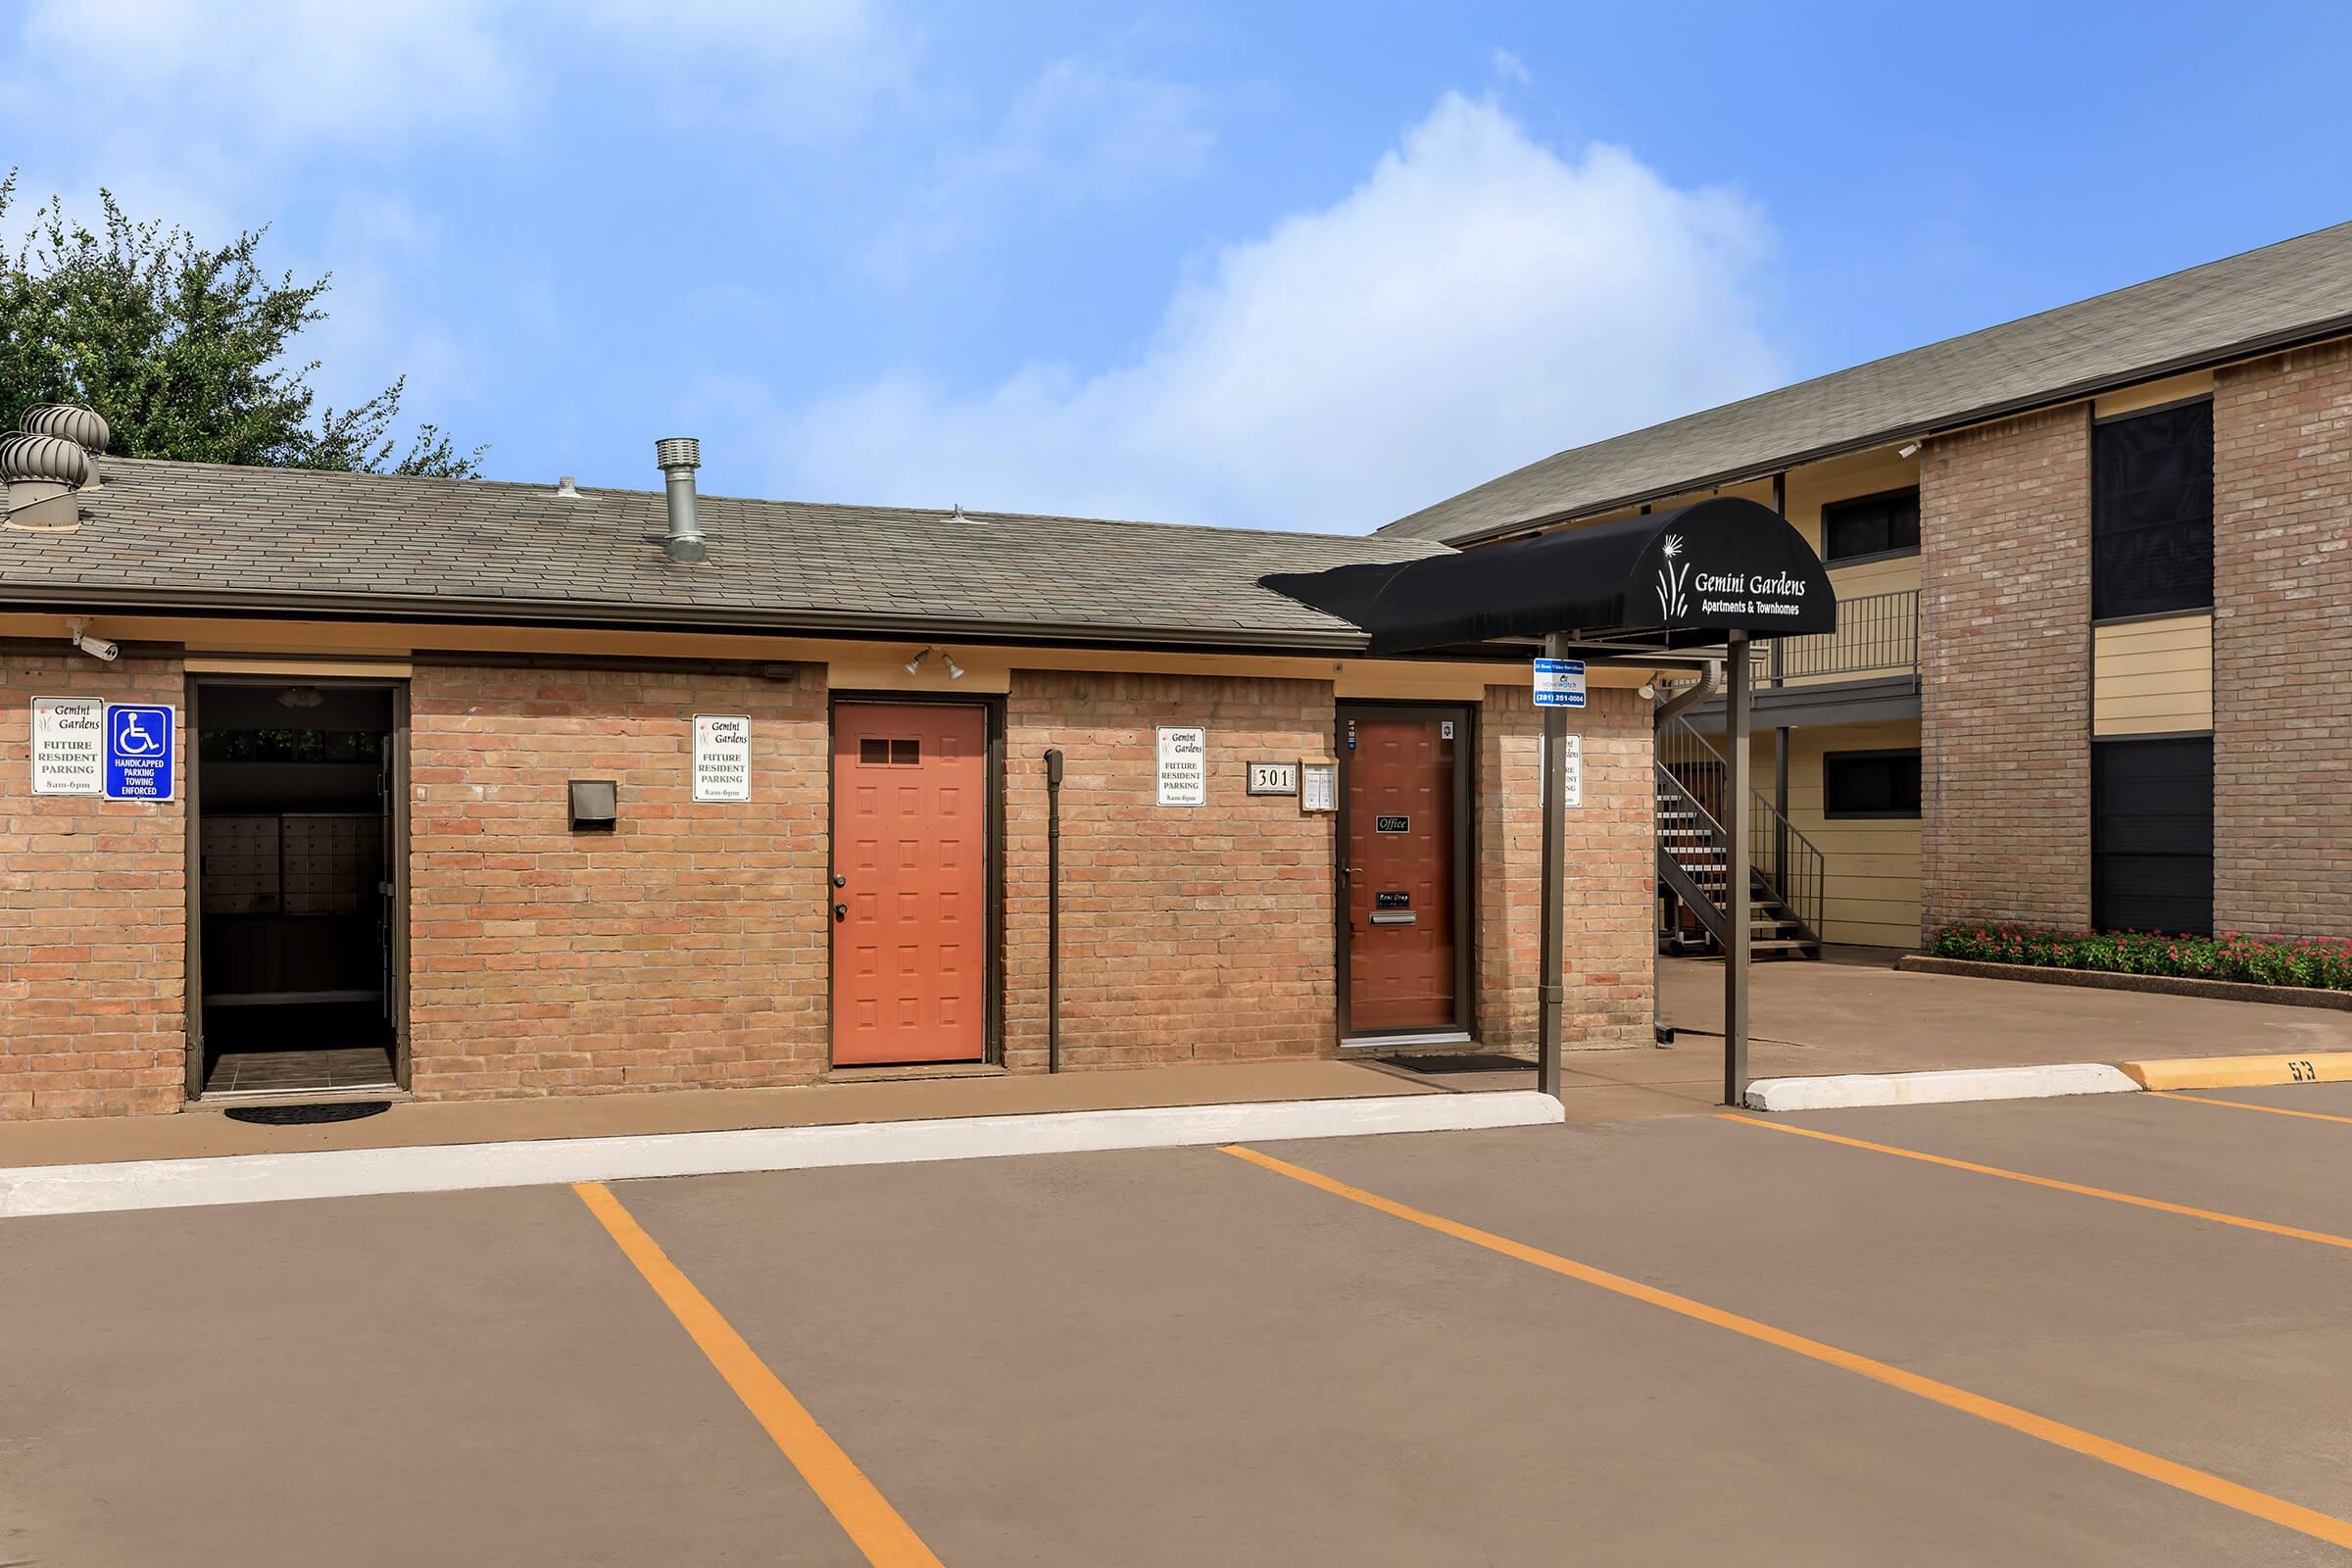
140, 739
69, 745
722, 757
1183, 767
1560, 683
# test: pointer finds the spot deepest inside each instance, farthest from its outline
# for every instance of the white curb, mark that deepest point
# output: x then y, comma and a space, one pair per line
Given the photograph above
359, 1172
1937, 1088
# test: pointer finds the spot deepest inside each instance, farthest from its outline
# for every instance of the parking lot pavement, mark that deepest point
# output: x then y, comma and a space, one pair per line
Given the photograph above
361, 1382
1672, 1341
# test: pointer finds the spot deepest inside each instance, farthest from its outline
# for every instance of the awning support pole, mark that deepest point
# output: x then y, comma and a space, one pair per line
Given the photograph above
1737, 795
1553, 991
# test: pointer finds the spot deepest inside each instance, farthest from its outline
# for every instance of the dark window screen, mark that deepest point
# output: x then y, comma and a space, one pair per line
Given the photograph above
1870, 525
1870, 784
2151, 513
2151, 835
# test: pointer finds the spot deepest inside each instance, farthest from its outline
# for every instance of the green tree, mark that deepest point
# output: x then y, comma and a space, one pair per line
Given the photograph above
184, 348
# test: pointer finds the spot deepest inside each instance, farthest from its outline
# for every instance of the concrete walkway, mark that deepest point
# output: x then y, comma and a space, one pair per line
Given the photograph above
198, 1135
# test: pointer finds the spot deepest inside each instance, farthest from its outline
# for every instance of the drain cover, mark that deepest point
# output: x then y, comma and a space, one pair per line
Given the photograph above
1463, 1061
308, 1116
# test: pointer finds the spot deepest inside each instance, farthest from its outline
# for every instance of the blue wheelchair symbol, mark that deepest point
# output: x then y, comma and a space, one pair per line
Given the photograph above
138, 751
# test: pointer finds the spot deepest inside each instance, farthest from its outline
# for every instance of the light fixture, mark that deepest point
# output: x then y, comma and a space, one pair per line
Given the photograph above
300, 697
954, 671
1907, 450
97, 647
915, 665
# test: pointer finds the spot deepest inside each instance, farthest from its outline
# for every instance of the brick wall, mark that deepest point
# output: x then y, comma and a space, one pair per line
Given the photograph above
2282, 644
1189, 933
1611, 869
686, 949
93, 915
2005, 668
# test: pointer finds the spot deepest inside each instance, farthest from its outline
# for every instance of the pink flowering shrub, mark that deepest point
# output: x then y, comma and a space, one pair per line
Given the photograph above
2324, 963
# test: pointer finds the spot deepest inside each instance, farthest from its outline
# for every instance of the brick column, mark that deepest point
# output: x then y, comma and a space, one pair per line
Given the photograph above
2005, 671
1611, 880
2282, 644
93, 913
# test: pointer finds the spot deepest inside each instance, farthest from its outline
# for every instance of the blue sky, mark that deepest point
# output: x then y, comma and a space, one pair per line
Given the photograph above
1275, 265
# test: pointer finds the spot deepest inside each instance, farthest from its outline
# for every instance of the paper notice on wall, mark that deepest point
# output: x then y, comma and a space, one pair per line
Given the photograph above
1572, 754
722, 757
1183, 767
69, 745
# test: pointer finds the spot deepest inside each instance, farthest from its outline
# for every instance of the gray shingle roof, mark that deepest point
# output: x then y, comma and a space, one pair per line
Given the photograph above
2290, 292
198, 535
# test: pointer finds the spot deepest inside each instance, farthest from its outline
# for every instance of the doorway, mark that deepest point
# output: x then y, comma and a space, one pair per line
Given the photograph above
297, 923
1405, 870
912, 930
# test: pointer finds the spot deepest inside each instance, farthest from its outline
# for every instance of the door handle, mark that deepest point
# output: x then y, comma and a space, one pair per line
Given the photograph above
841, 911
840, 881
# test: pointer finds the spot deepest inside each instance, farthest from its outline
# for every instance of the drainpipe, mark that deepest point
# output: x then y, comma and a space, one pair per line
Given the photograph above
1661, 1031
1054, 910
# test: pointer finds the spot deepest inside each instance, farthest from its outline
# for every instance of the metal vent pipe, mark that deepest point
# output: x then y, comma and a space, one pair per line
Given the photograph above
677, 456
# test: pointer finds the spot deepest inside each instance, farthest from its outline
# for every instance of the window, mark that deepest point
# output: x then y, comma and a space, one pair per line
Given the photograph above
1870, 525
1870, 783
873, 752
2151, 513
2151, 835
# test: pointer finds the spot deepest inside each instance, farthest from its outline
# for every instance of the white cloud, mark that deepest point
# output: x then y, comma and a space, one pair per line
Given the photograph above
1508, 67
1478, 302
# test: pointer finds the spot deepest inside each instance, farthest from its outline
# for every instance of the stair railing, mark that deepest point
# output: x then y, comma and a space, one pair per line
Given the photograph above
1790, 865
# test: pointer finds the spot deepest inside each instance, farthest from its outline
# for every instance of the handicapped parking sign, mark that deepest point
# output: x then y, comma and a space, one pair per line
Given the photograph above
140, 738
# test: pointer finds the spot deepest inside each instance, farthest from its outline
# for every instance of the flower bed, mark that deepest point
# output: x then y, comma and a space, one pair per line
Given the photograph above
2323, 963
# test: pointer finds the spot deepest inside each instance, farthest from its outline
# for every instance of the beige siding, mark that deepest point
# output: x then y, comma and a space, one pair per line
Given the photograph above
2153, 394
1870, 866
2152, 677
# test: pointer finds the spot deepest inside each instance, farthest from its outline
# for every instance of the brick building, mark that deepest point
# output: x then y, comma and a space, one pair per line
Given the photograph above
481, 789
2095, 573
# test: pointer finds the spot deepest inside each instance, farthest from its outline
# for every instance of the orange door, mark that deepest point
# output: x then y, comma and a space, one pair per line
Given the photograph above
1399, 881
910, 910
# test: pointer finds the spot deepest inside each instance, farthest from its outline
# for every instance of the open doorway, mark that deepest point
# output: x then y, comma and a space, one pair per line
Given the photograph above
297, 963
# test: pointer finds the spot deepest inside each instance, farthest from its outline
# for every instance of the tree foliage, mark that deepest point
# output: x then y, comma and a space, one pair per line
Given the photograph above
184, 348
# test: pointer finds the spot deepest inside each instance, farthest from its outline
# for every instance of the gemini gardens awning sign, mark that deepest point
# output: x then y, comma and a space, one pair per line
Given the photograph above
1680, 578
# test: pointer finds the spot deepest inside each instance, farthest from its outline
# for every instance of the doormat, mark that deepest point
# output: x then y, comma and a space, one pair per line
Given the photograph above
1466, 1061
307, 1115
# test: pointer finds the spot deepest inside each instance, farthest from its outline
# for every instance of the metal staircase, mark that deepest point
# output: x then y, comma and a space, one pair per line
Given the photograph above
1785, 879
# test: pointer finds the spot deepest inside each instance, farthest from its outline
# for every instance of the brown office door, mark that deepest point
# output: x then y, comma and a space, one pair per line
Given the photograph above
910, 916
1399, 881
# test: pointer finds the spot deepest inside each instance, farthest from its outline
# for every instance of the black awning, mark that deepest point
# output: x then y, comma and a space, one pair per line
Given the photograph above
1717, 566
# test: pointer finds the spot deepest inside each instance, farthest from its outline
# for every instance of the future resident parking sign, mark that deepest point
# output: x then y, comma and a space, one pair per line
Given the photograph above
140, 738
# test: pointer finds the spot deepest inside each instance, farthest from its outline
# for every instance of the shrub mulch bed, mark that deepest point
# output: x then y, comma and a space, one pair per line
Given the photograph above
2298, 971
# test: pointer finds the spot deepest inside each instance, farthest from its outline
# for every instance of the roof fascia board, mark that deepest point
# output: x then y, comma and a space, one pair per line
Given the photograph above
2254, 348
673, 619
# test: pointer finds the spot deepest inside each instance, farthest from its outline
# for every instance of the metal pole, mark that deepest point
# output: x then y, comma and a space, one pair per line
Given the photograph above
1738, 792
1054, 910
1552, 992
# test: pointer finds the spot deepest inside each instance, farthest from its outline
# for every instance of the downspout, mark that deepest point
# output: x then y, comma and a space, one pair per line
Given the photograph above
1674, 708
1054, 910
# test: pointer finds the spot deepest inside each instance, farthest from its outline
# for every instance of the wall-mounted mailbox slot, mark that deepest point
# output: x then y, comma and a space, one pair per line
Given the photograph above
595, 804
1395, 917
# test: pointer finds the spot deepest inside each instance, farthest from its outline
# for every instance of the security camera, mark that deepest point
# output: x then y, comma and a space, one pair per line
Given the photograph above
97, 647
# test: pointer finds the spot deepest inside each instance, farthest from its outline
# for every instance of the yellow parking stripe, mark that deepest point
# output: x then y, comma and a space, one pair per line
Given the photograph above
2240, 1104
2267, 1227
862, 1511
2212, 1487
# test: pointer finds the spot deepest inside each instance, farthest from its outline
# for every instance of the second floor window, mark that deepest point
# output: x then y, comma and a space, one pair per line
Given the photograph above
1870, 525
2151, 513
